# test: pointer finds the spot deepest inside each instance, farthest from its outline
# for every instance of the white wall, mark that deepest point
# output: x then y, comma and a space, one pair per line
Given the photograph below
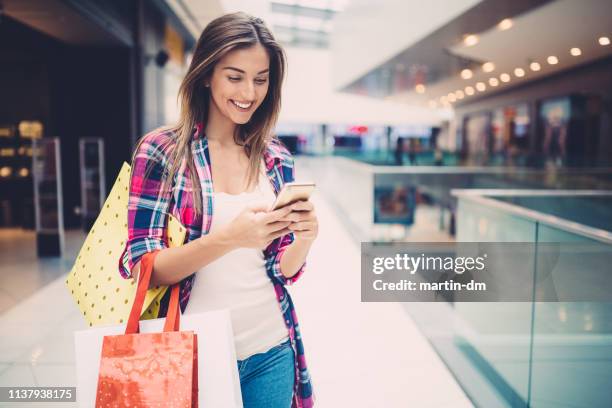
370, 32
308, 97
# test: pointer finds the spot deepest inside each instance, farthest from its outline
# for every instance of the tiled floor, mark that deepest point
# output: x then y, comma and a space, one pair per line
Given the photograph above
360, 354
21, 272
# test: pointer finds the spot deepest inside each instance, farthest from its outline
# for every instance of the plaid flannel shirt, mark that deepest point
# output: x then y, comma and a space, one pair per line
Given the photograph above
148, 207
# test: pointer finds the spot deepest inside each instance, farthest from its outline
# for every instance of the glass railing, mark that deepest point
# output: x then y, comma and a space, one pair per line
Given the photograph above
592, 210
571, 359
387, 158
349, 184
536, 354
427, 157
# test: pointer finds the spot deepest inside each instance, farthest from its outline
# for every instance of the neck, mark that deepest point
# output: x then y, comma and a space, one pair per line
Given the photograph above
219, 128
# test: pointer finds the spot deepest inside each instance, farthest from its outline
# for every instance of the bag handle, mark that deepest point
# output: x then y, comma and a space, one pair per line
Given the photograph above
173, 315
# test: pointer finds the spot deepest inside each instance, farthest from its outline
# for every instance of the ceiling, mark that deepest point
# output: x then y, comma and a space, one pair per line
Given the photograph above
63, 20
196, 14
539, 29
293, 22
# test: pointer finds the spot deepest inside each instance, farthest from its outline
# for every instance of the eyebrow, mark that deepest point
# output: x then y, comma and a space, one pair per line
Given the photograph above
242, 72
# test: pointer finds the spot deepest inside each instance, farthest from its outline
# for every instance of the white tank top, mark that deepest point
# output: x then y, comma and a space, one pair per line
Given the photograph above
238, 281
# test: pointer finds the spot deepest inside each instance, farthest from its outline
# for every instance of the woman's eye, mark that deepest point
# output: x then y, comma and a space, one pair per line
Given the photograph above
260, 81
234, 79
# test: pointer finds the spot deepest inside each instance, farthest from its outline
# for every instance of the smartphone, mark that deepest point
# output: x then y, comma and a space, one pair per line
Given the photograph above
292, 192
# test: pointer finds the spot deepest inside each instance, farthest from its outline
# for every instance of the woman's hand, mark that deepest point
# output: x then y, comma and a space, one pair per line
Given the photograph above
304, 223
256, 228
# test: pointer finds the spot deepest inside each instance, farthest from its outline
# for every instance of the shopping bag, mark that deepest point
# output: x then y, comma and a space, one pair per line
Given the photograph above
101, 294
217, 375
149, 369
218, 379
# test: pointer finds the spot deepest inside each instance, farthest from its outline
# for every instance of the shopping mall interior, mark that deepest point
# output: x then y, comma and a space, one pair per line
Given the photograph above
443, 121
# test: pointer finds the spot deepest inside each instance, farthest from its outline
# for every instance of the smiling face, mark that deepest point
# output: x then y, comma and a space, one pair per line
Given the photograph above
239, 83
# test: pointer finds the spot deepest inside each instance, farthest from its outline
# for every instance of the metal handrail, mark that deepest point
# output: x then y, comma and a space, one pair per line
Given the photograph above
482, 197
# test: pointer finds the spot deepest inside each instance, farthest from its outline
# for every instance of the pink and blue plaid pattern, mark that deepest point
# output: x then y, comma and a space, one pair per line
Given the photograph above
148, 207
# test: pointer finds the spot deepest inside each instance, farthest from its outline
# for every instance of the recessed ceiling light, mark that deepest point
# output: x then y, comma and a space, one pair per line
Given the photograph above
604, 41
459, 94
519, 72
420, 88
488, 67
451, 97
493, 81
505, 77
470, 40
469, 90
466, 73
505, 24
480, 86
576, 51
535, 66
552, 60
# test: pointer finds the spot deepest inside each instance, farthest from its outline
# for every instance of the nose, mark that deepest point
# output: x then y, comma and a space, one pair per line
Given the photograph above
248, 91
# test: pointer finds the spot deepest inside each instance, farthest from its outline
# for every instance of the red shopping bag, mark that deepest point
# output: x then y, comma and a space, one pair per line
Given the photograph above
149, 369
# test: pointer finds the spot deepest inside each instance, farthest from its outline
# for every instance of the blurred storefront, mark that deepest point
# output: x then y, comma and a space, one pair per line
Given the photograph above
563, 120
528, 81
76, 70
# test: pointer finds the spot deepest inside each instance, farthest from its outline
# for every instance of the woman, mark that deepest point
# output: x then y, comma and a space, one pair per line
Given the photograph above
218, 171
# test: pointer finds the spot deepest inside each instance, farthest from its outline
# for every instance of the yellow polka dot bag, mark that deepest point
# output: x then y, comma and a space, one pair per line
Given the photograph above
101, 294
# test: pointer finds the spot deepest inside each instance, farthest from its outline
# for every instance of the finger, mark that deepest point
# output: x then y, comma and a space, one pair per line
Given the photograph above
276, 226
299, 216
303, 205
276, 215
294, 216
302, 226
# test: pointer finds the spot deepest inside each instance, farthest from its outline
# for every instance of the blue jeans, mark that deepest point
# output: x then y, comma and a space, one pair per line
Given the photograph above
267, 379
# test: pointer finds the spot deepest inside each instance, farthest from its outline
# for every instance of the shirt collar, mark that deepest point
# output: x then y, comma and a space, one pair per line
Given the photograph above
198, 130
270, 159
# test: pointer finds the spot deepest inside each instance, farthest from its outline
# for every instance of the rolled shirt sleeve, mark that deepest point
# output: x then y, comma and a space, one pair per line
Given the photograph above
274, 260
276, 250
148, 204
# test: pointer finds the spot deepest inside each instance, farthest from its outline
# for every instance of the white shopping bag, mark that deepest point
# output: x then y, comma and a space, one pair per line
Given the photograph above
218, 380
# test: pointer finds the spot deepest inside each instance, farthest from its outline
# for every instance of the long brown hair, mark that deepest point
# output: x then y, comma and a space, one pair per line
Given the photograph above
222, 35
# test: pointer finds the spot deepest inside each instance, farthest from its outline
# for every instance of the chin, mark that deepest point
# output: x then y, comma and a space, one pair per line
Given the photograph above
241, 121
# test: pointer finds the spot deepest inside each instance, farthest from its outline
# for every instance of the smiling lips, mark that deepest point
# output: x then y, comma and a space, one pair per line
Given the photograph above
242, 105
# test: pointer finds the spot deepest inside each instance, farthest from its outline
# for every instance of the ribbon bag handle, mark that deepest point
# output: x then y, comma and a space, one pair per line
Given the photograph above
173, 317
172, 322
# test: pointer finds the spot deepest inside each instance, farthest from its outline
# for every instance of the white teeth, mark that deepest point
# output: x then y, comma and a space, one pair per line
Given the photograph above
243, 105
